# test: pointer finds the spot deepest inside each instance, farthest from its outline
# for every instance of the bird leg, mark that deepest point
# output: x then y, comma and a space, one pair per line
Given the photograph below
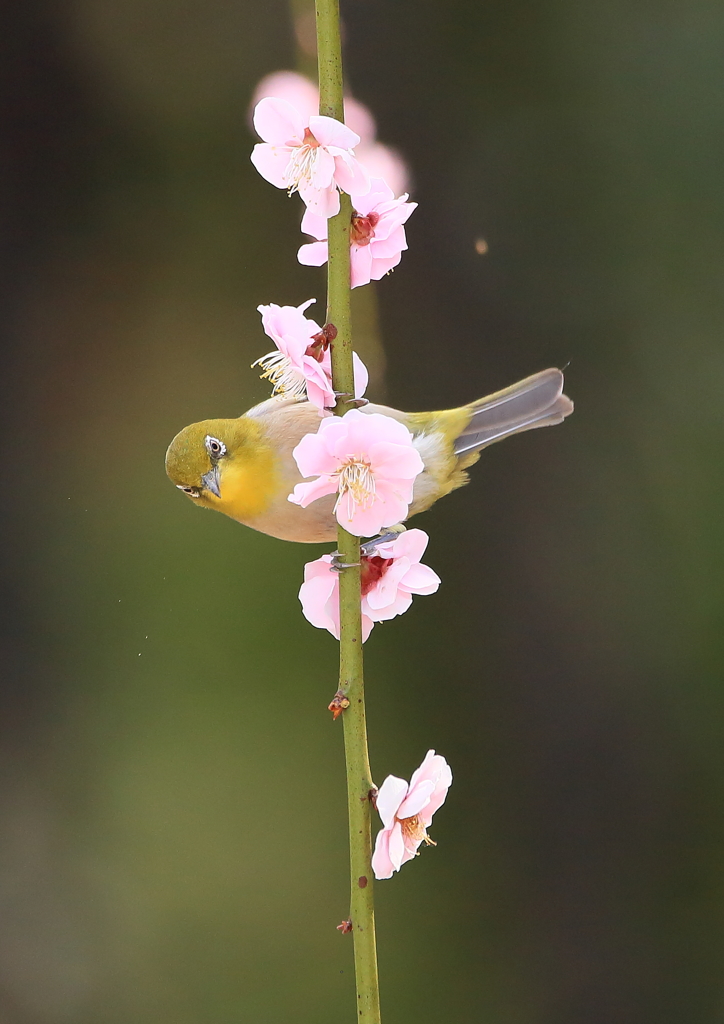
367, 549
392, 533
356, 403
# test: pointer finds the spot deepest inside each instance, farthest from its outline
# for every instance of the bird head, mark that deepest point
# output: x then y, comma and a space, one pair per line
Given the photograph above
224, 465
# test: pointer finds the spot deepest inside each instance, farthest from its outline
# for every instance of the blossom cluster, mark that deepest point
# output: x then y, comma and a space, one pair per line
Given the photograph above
370, 460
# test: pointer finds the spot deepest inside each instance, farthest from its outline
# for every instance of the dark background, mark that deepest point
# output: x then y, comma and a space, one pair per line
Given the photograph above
173, 842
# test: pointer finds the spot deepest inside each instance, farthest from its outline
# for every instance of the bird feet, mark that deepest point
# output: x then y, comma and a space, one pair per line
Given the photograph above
367, 549
355, 403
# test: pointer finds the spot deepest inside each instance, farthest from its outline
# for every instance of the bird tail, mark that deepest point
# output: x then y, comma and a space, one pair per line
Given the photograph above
537, 401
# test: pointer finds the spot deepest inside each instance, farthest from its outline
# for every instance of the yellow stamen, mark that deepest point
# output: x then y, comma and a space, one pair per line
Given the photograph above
412, 828
285, 378
356, 483
302, 163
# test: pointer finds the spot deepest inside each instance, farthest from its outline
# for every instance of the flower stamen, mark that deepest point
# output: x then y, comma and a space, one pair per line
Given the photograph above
285, 378
356, 483
302, 163
414, 830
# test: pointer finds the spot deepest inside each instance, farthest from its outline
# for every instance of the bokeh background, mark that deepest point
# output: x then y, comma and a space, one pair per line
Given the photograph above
173, 844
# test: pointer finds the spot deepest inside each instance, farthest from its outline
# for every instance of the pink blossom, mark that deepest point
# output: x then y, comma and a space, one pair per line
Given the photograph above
390, 577
377, 236
406, 813
379, 161
310, 155
370, 460
300, 92
302, 363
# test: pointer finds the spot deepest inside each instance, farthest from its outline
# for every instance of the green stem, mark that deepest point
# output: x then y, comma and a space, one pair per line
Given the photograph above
351, 679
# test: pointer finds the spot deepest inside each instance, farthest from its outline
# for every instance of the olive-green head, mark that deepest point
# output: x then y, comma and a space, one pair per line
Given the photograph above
221, 464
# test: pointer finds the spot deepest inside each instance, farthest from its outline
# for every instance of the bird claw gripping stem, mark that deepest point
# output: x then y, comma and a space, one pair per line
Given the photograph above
367, 549
337, 565
355, 403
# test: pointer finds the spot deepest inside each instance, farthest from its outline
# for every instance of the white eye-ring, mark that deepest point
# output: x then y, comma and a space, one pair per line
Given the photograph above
193, 492
215, 447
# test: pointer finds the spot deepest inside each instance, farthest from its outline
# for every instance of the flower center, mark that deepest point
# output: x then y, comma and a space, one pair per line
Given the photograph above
363, 228
374, 568
356, 484
413, 829
302, 163
285, 378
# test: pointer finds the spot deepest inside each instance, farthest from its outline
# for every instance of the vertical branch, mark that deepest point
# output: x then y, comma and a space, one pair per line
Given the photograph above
351, 681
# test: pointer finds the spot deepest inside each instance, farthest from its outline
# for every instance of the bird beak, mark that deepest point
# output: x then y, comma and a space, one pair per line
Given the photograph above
210, 481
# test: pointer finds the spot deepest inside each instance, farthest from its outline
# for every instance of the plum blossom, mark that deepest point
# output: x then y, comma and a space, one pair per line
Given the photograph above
390, 577
302, 364
379, 160
406, 813
369, 460
377, 234
310, 155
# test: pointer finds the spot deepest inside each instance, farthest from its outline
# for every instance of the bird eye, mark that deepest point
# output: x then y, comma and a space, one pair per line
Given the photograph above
193, 492
214, 447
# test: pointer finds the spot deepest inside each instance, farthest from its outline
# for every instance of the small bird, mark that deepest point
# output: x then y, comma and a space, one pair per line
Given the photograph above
244, 467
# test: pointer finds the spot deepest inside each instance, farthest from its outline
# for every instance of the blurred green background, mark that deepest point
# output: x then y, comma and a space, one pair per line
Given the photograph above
173, 844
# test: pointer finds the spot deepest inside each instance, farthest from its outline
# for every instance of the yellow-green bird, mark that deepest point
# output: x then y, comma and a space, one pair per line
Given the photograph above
244, 467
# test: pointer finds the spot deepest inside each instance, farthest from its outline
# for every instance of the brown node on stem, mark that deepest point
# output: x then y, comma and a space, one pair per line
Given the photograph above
345, 927
372, 796
338, 704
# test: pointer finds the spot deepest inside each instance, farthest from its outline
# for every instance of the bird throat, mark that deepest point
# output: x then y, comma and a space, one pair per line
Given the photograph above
247, 486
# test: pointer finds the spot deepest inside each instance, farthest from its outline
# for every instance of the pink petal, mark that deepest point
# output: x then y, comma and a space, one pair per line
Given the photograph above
382, 865
367, 428
379, 192
330, 132
420, 579
395, 461
429, 769
411, 847
396, 846
296, 89
323, 202
305, 494
389, 797
312, 454
365, 522
314, 225
393, 245
384, 266
271, 162
277, 122
367, 624
384, 592
361, 376
319, 392
411, 544
417, 798
392, 508
360, 265
319, 597
323, 173
313, 254
436, 769
350, 175
399, 604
